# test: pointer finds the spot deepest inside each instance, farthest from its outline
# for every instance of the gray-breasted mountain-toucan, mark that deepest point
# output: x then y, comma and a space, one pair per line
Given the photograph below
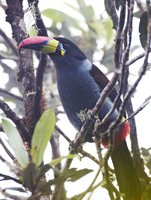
80, 84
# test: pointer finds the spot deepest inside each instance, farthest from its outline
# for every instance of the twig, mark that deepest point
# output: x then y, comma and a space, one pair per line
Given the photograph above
8, 41
91, 185
17, 121
86, 154
5, 56
7, 93
119, 38
12, 75
6, 68
11, 196
78, 197
6, 150
39, 80
6, 163
97, 141
2, 159
62, 133
92, 189
55, 148
6, 177
106, 91
42, 31
135, 59
133, 87
141, 107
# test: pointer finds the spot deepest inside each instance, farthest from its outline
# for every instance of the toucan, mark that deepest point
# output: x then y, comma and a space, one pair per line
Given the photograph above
79, 85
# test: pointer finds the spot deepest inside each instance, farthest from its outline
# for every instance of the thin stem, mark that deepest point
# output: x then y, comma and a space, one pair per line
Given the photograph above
6, 92
17, 121
90, 186
6, 150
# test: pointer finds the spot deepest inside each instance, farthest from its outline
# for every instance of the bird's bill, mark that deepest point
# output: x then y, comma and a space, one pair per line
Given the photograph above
43, 44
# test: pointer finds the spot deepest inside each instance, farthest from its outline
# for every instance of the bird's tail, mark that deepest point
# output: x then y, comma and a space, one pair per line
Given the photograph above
125, 172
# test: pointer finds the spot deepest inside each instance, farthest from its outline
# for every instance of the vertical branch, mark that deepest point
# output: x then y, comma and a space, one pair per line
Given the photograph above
118, 65
42, 31
26, 76
129, 107
119, 37
143, 68
39, 105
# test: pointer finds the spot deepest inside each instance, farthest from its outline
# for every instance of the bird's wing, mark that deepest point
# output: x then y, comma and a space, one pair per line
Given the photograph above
102, 81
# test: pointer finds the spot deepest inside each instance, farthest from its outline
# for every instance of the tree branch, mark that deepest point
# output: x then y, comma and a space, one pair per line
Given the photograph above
8, 41
135, 59
6, 150
9, 94
14, 15
17, 121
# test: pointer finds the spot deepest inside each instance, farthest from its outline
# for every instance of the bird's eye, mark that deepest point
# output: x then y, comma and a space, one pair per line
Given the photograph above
66, 46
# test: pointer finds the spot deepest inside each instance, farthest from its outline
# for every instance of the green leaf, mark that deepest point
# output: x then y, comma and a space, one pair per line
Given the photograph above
33, 177
44, 187
147, 158
87, 11
138, 13
15, 141
71, 6
29, 175
58, 17
42, 170
108, 59
42, 134
72, 175
77, 174
108, 29
58, 160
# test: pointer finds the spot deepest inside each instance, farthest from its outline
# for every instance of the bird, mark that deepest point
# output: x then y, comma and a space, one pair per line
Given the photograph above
79, 84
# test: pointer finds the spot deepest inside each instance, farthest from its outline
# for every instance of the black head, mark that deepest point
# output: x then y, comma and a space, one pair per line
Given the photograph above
70, 48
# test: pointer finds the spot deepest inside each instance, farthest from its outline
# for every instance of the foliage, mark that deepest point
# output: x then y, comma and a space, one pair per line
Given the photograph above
42, 134
15, 142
